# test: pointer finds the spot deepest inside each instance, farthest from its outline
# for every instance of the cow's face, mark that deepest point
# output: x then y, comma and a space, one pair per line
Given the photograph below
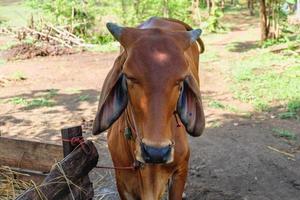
155, 70
153, 83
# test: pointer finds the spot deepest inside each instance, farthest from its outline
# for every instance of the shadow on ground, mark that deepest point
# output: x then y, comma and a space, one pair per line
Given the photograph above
236, 162
241, 47
41, 114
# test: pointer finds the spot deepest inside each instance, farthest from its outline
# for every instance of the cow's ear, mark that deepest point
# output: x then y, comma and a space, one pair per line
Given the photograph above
189, 107
113, 98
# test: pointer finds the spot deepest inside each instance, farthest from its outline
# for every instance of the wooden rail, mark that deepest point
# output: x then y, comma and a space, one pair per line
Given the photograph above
29, 155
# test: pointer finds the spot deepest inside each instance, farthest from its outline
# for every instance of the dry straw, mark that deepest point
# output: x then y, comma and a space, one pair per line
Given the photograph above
10, 185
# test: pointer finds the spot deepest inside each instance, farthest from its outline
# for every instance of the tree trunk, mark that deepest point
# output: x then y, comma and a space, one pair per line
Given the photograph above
251, 7
124, 11
298, 9
208, 3
196, 12
165, 8
223, 5
213, 5
263, 21
136, 6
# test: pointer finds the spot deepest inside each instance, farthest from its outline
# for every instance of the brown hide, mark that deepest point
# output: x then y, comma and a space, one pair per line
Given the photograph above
155, 74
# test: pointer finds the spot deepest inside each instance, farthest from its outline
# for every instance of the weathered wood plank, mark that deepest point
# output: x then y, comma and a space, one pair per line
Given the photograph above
64, 175
28, 154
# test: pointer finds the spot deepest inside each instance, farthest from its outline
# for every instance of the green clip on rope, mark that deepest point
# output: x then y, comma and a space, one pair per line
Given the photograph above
128, 133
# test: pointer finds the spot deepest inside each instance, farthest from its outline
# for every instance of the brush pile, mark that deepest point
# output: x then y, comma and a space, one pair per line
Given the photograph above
24, 51
46, 41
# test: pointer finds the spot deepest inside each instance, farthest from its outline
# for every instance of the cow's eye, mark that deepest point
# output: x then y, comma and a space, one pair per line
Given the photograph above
131, 80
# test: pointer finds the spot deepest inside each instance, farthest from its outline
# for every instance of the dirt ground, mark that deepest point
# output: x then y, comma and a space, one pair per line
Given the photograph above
233, 160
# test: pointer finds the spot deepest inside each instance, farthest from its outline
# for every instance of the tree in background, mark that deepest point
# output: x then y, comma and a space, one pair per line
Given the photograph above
272, 19
264, 25
298, 9
251, 7
196, 17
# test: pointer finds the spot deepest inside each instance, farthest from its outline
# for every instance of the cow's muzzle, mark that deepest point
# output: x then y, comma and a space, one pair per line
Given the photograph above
156, 155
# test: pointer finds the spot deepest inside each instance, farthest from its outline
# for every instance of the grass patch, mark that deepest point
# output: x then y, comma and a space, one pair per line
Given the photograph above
16, 14
216, 124
84, 97
72, 90
30, 103
18, 76
209, 56
293, 110
284, 134
219, 105
288, 115
216, 104
52, 93
8, 45
107, 47
267, 78
294, 105
40, 102
2, 62
18, 101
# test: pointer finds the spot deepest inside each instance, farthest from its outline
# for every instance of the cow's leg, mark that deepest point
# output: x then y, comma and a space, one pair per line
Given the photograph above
178, 182
124, 195
123, 190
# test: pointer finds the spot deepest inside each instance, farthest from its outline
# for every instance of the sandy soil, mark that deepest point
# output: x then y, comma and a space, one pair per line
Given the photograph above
232, 160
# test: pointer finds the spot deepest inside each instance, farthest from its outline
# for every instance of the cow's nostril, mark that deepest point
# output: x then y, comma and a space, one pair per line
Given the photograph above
156, 154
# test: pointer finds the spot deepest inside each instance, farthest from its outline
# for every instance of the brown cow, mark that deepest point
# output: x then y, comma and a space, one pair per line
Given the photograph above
153, 80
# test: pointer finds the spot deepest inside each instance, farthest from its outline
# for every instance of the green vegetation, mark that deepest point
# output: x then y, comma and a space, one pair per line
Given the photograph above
84, 97
18, 76
52, 93
18, 101
288, 115
15, 14
72, 90
267, 78
216, 124
31, 103
40, 102
209, 56
107, 47
284, 134
293, 110
2, 62
219, 105
87, 18
216, 104
8, 45
213, 24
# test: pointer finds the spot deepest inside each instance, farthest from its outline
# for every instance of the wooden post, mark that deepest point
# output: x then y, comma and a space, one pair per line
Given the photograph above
65, 179
68, 134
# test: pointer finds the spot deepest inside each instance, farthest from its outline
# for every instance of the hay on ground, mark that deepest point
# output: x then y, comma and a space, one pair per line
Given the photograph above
10, 185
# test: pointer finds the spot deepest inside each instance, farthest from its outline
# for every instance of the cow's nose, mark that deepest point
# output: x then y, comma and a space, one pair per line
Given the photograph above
156, 155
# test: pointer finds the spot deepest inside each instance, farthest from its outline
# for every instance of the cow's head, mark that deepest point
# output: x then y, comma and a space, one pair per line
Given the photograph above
152, 81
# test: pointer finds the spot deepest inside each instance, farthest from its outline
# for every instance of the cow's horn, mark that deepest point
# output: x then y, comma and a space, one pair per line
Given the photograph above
194, 34
115, 30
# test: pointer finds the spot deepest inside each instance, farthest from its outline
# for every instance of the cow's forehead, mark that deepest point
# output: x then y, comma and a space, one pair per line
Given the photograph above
156, 57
